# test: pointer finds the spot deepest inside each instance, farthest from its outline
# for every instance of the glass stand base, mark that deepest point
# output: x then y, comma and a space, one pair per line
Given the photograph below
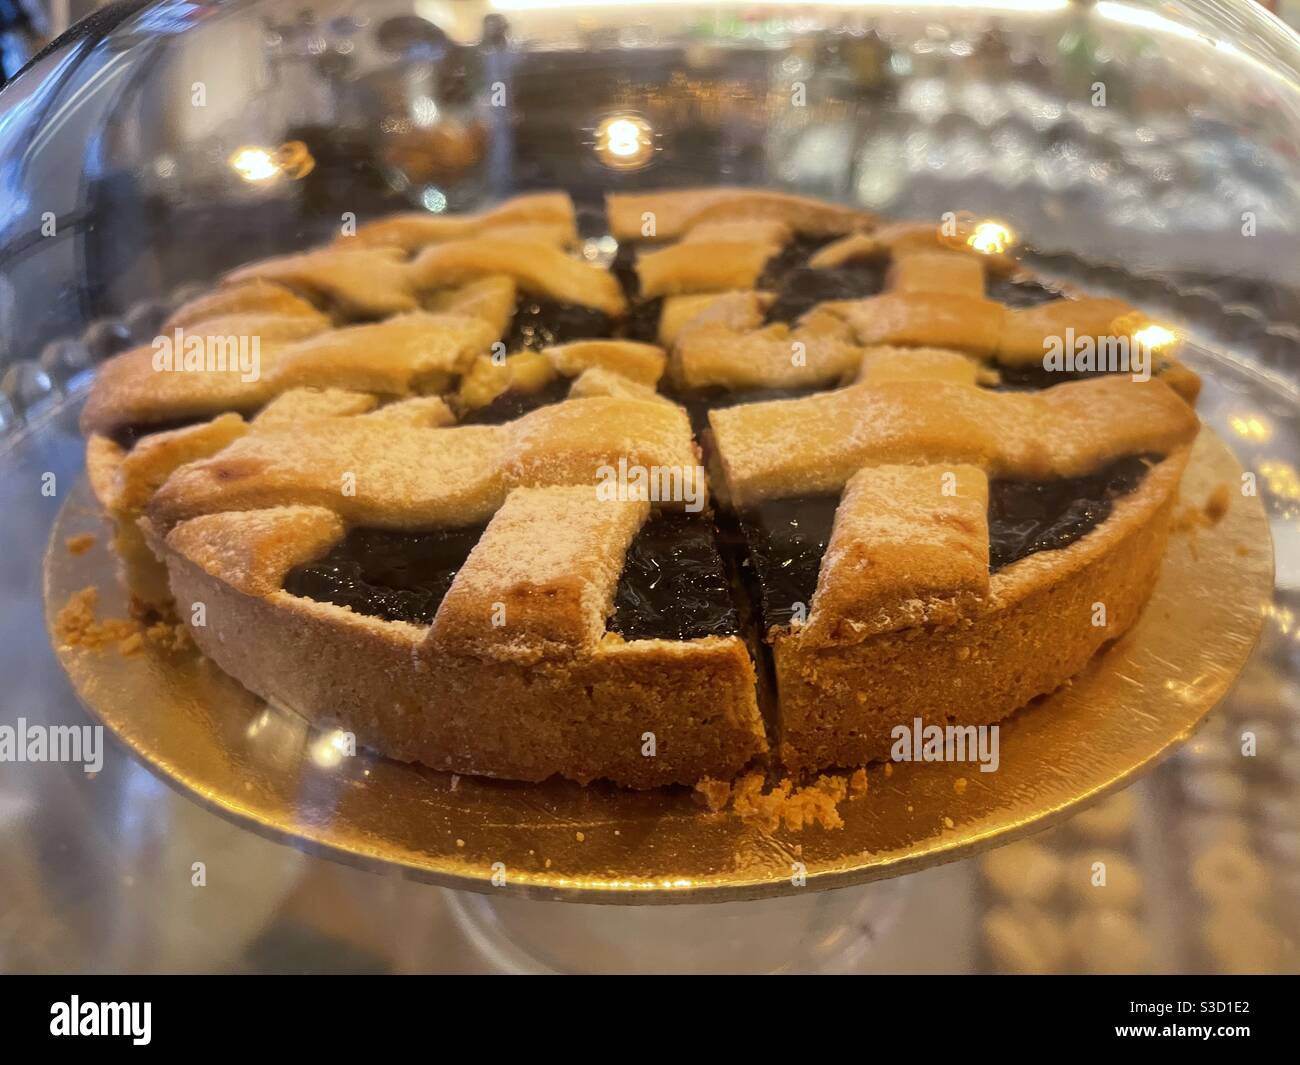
822, 932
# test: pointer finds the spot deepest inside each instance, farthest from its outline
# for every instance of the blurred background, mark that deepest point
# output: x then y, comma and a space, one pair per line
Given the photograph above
173, 140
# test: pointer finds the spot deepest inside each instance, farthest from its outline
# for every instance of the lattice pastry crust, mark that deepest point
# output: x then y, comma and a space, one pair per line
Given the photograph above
599, 629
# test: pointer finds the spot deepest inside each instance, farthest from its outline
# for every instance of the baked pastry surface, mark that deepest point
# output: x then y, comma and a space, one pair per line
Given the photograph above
775, 481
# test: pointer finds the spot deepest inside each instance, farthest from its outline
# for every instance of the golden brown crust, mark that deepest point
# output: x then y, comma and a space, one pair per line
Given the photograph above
815, 444
406, 353
586, 717
771, 233
934, 297
129, 391
536, 268
299, 404
937, 271
906, 238
919, 364
250, 297
103, 460
429, 412
680, 311
146, 466
669, 214
642, 363
840, 705
926, 319
491, 299
407, 477
359, 283
550, 601
601, 382
712, 266
253, 551
910, 547
489, 376
547, 216
518, 675
1026, 330
727, 346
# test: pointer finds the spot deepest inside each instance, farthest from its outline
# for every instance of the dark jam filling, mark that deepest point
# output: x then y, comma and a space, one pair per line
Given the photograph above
1020, 293
674, 585
786, 538
539, 324
804, 288
513, 403
642, 320
1034, 377
623, 268
789, 259
397, 576
127, 436
1030, 516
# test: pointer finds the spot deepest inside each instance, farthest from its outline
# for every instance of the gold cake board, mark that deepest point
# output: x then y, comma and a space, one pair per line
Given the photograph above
268, 769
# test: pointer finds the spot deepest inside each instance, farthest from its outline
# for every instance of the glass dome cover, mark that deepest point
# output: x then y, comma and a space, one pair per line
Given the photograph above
174, 140
1144, 149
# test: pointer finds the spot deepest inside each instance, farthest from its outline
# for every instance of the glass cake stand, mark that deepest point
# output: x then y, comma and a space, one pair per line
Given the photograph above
906, 112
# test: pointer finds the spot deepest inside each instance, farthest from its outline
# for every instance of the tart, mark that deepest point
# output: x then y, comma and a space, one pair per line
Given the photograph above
774, 481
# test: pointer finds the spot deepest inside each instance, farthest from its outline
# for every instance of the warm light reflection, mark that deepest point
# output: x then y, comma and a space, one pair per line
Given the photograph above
1251, 427
258, 724
1149, 336
624, 142
1281, 478
1283, 619
254, 164
1155, 337
991, 238
331, 748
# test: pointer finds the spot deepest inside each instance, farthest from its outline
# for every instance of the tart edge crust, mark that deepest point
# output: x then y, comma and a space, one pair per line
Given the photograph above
839, 705
584, 718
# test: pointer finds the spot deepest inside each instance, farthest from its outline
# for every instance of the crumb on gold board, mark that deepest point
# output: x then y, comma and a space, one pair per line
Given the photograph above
80, 544
77, 625
784, 805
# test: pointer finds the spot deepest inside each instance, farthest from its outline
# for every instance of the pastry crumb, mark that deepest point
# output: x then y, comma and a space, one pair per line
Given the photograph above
948, 822
858, 782
581, 836
785, 804
1217, 503
77, 625
80, 544
1191, 517
132, 644
713, 793
889, 769
960, 785
169, 635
